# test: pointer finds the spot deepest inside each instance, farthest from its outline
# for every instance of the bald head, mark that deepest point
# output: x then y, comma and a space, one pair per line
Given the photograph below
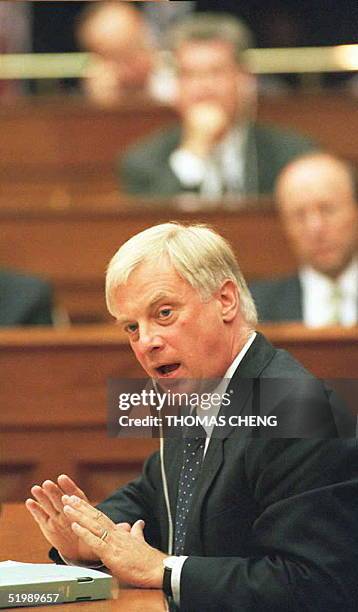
117, 33
110, 20
316, 199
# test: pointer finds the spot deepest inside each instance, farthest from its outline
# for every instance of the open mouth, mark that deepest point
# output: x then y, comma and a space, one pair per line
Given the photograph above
167, 369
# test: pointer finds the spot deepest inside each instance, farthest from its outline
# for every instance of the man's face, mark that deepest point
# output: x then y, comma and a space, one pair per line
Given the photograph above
173, 333
119, 39
208, 72
320, 215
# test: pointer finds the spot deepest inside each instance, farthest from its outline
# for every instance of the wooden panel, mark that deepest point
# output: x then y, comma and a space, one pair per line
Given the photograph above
55, 151
79, 244
330, 119
53, 400
99, 464
69, 139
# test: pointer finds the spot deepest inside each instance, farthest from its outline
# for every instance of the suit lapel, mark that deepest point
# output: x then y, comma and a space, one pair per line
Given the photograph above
173, 459
251, 366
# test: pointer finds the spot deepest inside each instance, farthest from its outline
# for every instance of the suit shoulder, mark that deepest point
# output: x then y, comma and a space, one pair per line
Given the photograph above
284, 137
15, 281
157, 146
265, 290
284, 365
278, 299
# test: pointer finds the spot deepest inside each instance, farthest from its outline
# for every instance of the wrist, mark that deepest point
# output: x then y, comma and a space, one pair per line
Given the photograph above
168, 563
157, 574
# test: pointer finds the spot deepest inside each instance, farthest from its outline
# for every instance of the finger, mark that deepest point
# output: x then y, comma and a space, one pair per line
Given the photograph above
54, 494
98, 546
80, 504
42, 498
137, 529
36, 511
69, 487
87, 516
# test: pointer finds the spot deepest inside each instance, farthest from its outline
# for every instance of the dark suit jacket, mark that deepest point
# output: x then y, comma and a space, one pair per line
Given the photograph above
278, 299
24, 300
145, 168
273, 525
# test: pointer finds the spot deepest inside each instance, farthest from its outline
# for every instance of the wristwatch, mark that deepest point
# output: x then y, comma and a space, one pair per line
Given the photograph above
167, 576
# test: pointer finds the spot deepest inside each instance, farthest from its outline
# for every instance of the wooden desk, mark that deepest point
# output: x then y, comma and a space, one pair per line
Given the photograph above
73, 247
53, 400
21, 540
63, 142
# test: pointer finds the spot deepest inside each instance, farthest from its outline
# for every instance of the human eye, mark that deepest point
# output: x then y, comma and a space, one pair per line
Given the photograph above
131, 328
329, 209
164, 313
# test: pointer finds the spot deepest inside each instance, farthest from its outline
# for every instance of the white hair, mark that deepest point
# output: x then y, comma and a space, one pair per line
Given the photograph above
199, 255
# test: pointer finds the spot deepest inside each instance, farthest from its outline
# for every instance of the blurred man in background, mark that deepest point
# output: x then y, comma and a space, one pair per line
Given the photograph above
15, 37
126, 60
317, 203
218, 148
24, 300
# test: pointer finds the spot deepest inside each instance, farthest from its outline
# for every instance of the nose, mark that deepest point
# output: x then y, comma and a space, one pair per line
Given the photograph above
313, 222
149, 338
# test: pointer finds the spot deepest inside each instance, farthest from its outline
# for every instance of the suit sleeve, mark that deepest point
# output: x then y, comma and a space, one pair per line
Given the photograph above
146, 175
304, 539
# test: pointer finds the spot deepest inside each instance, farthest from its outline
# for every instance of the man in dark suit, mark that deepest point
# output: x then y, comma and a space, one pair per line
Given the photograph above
247, 520
317, 203
24, 300
218, 147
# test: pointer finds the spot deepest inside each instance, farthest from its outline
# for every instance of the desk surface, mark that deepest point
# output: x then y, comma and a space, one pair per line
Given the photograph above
21, 540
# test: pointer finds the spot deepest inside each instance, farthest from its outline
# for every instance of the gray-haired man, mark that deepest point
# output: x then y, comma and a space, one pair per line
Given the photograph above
262, 524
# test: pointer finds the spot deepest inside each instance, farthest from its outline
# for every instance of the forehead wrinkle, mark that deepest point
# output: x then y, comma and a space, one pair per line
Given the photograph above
157, 297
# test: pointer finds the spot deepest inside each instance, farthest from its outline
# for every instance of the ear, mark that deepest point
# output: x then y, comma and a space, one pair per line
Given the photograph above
228, 298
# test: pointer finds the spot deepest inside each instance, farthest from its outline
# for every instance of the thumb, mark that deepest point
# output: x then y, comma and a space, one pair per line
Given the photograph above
137, 529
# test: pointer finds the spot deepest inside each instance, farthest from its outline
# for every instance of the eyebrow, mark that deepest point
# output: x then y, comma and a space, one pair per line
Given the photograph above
158, 297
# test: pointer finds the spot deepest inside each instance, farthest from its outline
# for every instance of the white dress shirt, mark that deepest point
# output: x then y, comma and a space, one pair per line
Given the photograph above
317, 303
221, 171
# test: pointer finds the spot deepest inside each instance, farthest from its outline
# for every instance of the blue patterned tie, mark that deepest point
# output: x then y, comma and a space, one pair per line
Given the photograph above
192, 459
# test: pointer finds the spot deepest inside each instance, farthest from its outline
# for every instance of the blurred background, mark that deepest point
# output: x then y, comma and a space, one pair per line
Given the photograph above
92, 105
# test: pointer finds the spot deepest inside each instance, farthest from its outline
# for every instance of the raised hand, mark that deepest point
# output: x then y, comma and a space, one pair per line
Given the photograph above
121, 548
47, 510
203, 125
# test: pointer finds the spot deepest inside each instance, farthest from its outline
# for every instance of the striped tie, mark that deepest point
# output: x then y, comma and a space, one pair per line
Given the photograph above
335, 302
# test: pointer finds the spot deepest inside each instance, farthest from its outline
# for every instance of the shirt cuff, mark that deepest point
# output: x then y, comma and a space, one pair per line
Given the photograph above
177, 565
187, 167
88, 565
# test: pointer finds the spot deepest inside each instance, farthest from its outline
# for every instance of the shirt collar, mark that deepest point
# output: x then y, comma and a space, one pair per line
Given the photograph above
235, 364
347, 281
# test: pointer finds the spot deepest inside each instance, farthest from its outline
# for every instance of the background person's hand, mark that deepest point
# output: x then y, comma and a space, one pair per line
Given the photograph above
102, 84
204, 124
47, 510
